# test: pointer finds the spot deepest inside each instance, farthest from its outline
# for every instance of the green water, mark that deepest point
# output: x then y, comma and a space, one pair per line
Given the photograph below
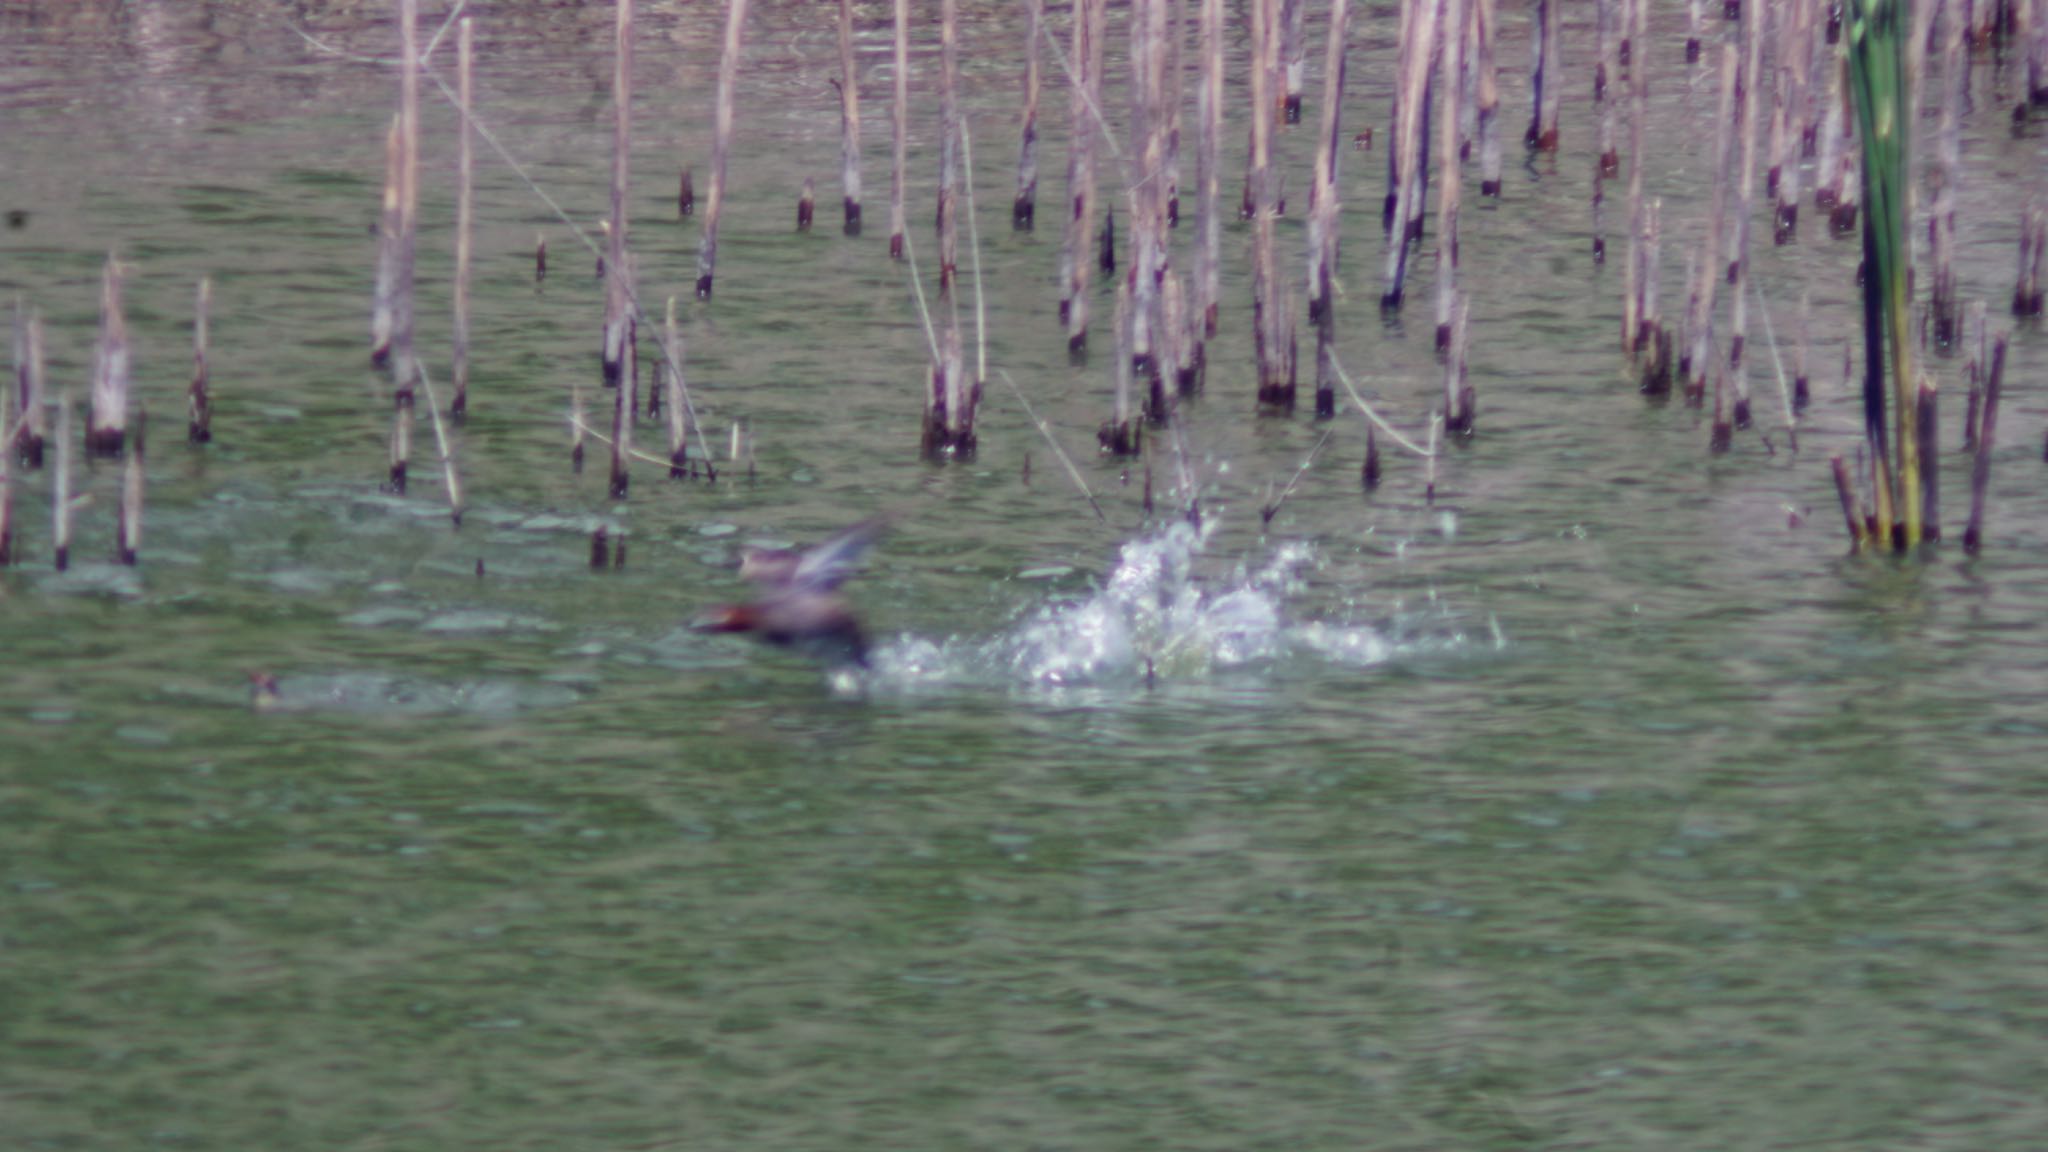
1604, 803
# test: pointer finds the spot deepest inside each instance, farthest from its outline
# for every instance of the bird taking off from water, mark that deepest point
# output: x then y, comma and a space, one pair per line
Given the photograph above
799, 606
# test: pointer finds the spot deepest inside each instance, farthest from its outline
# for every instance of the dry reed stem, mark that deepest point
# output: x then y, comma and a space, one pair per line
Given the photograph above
60, 486
949, 144
1486, 90
1987, 436
404, 360
721, 143
899, 113
1450, 182
672, 381
849, 122
389, 223
107, 417
1024, 208
1208, 156
465, 217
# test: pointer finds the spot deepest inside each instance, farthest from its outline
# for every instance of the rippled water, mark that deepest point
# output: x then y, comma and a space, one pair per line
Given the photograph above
1602, 803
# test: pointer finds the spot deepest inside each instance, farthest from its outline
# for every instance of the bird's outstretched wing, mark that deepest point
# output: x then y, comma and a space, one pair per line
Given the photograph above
820, 569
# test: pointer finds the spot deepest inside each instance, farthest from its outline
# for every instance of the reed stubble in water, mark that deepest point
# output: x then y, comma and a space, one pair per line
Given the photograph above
625, 406
2028, 293
1089, 32
618, 287
849, 122
1324, 198
1745, 184
1293, 58
1987, 438
1451, 180
1271, 327
389, 223
1208, 155
1635, 318
1121, 436
1024, 208
1945, 307
60, 487
686, 195
1486, 92
465, 220
128, 525
721, 143
1697, 363
1411, 129
106, 419
899, 120
7, 422
1546, 78
672, 383
404, 357
806, 204
33, 398
949, 145
199, 397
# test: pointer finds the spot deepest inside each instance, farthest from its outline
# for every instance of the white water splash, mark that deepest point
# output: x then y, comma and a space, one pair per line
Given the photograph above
1153, 617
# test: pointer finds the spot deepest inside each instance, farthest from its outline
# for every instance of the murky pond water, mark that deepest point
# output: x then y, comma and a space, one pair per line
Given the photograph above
1603, 803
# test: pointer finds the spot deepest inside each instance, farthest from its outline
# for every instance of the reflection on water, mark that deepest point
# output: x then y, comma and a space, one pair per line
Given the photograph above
1599, 804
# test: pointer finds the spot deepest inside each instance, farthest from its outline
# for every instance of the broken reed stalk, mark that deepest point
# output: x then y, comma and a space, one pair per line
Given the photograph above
1546, 78
199, 397
2027, 293
128, 524
1147, 196
1692, 32
576, 426
1738, 261
465, 220
8, 431
625, 407
1945, 307
540, 259
618, 290
1271, 327
949, 145
1697, 362
899, 113
449, 477
672, 382
1089, 25
1607, 73
1978, 348
27, 441
1635, 320
389, 224
686, 195
1024, 209
1655, 345
1782, 181
1208, 156
1293, 53
1120, 436
806, 204
849, 122
1460, 404
107, 417
1324, 197
60, 486
1045, 430
1170, 98
966, 399
1487, 92
404, 361
1409, 135
721, 143
1845, 488
1929, 427
1451, 177
1884, 108
1987, 436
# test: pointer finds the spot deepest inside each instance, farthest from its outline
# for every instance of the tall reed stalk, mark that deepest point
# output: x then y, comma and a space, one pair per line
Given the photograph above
1323, 226
618, 293
849, 122
106, 421
1448, 185
1024, 209
899, 114
949, 144
1882, 90
721, 143
199, 396
465, 219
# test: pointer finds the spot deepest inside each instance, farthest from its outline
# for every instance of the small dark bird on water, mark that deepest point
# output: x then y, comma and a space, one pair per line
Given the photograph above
800, 606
